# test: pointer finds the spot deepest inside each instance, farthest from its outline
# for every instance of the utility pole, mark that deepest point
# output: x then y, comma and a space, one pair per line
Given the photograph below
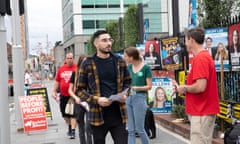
18, 65
4, 109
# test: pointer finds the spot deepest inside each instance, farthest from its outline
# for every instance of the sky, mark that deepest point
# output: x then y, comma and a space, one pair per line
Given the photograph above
44, 24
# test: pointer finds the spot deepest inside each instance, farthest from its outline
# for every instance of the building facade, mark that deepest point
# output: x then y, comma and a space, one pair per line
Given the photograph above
81, 18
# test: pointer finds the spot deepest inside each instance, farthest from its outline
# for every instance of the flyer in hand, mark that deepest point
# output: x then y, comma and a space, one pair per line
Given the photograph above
118, 96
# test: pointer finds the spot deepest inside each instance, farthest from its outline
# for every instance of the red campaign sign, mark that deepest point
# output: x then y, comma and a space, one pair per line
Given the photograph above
33, 113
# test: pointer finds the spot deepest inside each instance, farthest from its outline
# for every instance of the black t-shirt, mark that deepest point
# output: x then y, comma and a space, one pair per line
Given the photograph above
107, 73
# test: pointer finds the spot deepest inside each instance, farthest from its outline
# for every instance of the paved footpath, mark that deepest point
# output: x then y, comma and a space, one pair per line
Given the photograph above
56, 132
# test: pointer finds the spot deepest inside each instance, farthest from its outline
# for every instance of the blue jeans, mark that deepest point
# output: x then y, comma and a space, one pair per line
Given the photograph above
136, 109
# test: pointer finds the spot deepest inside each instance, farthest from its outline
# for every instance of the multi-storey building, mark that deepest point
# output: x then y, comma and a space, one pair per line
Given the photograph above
81, 18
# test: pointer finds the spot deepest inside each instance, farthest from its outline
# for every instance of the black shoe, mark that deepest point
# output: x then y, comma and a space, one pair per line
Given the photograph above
72, 135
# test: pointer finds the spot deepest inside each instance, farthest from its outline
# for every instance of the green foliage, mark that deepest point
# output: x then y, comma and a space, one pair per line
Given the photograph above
179, 112
130, 24
112, 28
212, 12
91, 47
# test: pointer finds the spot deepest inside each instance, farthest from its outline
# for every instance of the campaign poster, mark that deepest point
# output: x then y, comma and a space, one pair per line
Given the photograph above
141, 49
163, 74
216, 42
152, 54
145, 30
171, 54
192, 14
234, 46
160, 96
33, 113
43, 92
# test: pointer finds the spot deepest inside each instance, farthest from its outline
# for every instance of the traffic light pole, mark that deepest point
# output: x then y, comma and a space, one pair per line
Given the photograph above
4, 109
18, 65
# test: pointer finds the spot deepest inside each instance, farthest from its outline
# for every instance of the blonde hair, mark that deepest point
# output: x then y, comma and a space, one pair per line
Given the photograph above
155, 96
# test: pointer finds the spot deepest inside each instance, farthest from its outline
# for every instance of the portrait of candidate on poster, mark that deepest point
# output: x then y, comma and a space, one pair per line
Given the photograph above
152, 54
234, 46
216, 43
171, 54
161, 94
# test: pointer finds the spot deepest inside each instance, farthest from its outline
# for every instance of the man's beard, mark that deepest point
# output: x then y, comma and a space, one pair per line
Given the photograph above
104, 52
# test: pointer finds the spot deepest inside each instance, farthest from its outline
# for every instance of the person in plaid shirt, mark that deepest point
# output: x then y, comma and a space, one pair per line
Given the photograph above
102, 75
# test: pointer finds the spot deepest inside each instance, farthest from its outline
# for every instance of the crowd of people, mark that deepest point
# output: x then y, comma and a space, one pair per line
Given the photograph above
115, 90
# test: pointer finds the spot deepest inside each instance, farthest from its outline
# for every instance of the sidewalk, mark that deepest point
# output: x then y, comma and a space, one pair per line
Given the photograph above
56, 132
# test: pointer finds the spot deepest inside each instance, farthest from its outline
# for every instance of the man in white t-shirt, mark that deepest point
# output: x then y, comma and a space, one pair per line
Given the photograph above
27, 78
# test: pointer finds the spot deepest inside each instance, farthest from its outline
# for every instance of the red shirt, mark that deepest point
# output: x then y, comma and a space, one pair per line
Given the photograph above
63, 77
207, 102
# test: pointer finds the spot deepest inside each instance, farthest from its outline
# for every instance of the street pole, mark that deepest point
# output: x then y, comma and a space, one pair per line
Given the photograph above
18, 65
4, 110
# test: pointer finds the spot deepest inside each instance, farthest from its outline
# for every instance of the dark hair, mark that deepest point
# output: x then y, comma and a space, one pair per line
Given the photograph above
80, 59
208, 38
133, 52
98, 33
197, 34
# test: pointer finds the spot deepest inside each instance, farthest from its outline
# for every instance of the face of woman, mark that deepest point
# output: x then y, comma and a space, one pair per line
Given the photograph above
127, 58
160, 95
220, 47
151, 48
235, 37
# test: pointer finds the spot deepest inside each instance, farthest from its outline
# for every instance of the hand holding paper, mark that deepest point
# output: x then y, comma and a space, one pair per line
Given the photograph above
117, 97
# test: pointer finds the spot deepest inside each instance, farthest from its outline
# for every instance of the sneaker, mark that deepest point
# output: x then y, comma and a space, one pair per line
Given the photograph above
72, 136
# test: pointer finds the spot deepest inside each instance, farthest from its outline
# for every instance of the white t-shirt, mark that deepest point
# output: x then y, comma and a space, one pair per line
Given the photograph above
27, 78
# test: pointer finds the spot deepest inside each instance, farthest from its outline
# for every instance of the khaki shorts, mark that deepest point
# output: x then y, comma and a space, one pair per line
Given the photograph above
202, 129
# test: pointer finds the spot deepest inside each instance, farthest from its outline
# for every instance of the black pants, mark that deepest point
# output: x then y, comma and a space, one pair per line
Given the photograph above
85, 135
117, 129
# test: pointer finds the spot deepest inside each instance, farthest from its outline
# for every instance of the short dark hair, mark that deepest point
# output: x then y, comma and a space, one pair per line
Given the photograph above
197, 34
208, 38
98, 33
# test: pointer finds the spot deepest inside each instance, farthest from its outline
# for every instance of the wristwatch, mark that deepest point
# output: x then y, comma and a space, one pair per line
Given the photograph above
184, 89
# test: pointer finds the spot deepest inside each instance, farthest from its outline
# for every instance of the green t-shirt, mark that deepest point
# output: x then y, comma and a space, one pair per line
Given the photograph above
139, 78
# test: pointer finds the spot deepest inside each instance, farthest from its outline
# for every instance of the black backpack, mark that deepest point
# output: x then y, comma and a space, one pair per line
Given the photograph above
231, 135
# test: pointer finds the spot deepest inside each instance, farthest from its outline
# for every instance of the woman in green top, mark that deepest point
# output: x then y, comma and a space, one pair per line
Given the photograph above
136, 103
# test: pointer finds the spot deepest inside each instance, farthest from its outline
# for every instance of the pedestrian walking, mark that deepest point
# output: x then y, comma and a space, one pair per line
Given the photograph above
62, 80
202, 102
80, 110
102, 75
27, 78
141, 75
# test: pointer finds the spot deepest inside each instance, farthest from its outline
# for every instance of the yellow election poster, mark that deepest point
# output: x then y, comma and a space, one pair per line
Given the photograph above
43, 92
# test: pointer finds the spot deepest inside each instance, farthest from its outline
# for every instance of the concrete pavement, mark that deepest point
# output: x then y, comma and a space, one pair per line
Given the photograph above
56, 132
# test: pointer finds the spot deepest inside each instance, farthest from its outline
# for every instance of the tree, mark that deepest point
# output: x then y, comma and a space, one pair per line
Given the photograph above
130, 25
112, 28
91, 47
211, 13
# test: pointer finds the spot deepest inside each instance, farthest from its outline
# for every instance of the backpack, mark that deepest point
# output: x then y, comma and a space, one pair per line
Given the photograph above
231, 135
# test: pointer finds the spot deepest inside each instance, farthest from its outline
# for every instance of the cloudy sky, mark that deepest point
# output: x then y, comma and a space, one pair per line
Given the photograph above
44, 23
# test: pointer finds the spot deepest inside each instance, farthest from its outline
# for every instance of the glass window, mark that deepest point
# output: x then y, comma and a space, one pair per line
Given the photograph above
87, 6
88, 24
88, 2
101, 23
101, 6
113, 3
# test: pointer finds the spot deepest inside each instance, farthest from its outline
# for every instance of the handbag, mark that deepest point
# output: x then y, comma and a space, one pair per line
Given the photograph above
69, 109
